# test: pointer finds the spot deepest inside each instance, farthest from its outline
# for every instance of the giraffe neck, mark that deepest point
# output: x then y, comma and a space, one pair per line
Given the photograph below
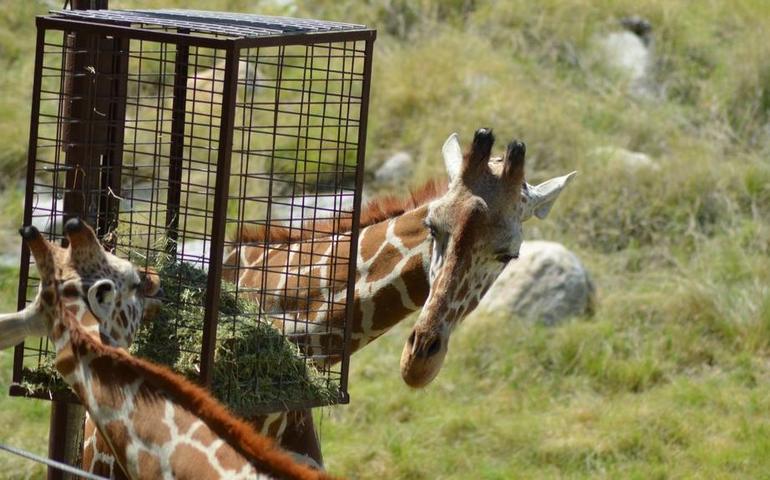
157, 424
391, 282
392, 275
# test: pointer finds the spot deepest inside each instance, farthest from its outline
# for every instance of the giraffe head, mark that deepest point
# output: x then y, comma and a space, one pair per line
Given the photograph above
476, 231
83, 276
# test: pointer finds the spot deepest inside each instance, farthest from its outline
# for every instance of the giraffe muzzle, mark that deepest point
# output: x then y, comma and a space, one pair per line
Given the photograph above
422, 358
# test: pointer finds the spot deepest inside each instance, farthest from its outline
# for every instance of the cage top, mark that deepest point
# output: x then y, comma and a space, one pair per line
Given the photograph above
233, 25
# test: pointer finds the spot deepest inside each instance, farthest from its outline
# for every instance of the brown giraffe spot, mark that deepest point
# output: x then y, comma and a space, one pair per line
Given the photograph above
111, 376
70, 290
80, 390
146, 418
108, 395
47, 296
188, 462
149, 466
384, 264
183, 420
252, 254
388, 308
228, 458
65, 361
204, 435
372, 239
117, 433
411, 232
416, 280
117, 372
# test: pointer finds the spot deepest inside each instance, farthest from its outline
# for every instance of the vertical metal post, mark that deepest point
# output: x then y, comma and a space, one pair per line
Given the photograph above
362, 116
66, 430
21, 300
177, 146
112, 93
222, 187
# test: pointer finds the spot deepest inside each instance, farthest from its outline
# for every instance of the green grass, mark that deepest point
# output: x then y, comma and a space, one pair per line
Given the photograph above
670, 377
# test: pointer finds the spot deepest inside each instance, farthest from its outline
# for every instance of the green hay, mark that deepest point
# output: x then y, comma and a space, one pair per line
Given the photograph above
43, 378
256, 369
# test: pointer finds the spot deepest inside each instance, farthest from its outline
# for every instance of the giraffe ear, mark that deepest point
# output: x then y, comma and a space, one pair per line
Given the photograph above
543, 196
453, 156
150, 282
101, 298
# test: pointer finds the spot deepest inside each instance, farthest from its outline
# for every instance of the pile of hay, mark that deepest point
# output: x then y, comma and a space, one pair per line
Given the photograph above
254, 365
256, 369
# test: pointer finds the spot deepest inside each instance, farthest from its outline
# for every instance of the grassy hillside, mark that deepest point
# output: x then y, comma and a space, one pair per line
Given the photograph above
670, 378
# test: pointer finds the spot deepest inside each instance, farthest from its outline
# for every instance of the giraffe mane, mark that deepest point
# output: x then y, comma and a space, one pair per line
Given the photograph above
256, 448
376, 210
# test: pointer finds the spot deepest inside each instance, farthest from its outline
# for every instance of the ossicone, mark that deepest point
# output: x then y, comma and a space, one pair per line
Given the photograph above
513, 162
477, 159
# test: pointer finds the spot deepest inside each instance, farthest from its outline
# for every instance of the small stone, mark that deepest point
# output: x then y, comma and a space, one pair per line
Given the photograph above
629, 160
396, 169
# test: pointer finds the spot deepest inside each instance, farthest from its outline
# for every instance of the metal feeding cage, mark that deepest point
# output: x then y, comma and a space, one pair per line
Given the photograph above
170, 131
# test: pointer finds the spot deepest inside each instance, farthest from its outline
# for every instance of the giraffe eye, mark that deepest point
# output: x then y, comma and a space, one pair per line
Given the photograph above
432, 231
506, 257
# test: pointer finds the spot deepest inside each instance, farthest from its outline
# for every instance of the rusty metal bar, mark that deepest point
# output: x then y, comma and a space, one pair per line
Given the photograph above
221, 190
21, 299
114, 67
135, 33
363, 116
177, 147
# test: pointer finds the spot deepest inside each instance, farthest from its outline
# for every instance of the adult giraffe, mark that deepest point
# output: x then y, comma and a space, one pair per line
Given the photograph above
440, 250
156, 423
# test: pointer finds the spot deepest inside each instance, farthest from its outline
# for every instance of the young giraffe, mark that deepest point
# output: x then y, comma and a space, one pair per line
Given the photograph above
157, 424
400, 255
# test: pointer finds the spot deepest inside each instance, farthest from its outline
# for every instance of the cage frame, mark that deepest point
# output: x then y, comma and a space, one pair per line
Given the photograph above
232, 47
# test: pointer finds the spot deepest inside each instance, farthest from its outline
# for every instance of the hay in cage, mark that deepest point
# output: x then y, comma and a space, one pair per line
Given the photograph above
254, 364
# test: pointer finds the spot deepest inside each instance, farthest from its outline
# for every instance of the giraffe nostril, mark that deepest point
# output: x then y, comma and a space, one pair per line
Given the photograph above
411, 339
434, 347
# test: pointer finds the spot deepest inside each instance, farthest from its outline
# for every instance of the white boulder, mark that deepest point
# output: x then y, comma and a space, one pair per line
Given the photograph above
547, 284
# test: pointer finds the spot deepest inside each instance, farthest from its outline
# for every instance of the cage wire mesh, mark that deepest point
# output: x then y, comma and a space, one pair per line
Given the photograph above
172, 132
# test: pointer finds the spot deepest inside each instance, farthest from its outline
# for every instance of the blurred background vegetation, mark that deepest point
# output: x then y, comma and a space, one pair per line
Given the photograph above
668, 378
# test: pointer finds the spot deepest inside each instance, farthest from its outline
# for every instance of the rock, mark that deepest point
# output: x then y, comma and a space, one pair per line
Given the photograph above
396, 169
628, 160
641, 27
629, 52
547, 284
